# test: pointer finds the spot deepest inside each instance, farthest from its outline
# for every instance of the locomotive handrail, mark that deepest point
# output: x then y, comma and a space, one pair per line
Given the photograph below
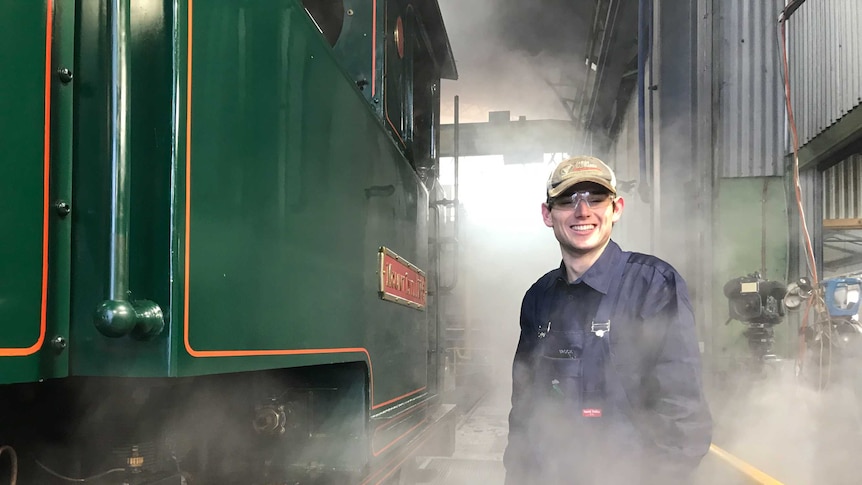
454, 202
116, 316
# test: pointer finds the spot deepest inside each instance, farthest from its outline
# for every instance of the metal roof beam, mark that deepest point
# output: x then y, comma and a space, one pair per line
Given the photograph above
503, 138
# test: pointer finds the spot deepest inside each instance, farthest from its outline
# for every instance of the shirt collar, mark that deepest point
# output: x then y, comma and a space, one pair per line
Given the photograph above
598, 276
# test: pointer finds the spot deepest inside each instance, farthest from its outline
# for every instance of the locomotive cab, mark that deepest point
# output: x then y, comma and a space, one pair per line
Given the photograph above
224, 265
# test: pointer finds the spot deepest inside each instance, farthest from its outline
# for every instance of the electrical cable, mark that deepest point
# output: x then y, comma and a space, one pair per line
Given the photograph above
800, 354
70, 479
823, 324
812, 265
14, 459
831, 343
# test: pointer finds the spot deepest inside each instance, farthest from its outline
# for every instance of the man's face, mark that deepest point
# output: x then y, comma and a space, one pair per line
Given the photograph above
583, 228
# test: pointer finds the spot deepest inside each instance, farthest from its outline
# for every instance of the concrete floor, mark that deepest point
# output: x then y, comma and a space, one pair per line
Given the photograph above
794, 435
479, 444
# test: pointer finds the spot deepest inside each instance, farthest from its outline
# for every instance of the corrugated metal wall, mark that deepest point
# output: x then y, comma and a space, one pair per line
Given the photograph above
825, 55
842, 190
634, 231
810, 183
625, 157
748, 92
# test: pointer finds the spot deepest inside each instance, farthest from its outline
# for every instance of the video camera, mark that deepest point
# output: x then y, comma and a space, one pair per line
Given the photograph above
754, 300
758, 303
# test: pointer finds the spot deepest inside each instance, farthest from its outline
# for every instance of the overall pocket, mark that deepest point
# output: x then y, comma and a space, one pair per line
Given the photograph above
562, 379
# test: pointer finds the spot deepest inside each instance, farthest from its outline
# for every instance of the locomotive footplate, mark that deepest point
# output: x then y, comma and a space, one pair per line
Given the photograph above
435, 437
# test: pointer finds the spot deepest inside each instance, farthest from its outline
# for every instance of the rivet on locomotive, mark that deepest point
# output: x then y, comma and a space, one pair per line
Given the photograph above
218, 261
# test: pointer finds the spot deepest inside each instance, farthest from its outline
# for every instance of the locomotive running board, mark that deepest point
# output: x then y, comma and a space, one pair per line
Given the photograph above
437, 438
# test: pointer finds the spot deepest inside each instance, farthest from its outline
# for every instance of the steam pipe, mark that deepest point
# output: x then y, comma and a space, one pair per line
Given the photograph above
453, 202
604, 49
456, 219
116, 316
456, 137
456, 154
790, 7
437, 267
590, 49
644, 37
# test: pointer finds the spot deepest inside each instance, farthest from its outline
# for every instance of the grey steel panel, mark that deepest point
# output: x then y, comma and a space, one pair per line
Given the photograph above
637, 230
750, 128
509, 137
853, 53
625, 157
847, 68
825, 52
808, 180
841, 190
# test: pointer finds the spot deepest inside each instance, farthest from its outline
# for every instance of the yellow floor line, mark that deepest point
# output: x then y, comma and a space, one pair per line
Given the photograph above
749, 470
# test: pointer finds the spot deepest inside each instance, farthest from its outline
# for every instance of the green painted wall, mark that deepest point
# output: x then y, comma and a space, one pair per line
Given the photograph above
751, 234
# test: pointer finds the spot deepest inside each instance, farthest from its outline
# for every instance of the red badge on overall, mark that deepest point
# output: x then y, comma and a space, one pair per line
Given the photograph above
591, 412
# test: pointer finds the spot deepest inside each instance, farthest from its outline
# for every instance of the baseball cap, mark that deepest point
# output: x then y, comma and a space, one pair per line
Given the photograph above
579, 169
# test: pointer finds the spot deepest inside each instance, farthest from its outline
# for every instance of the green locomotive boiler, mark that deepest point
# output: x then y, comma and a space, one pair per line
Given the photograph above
218, 261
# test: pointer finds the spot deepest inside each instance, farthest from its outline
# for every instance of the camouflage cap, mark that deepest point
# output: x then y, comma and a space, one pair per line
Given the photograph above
579, 169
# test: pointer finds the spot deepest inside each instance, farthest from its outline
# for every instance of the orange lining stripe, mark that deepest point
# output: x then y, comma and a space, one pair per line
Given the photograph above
20, 352
394, 398
412, 447
386, 99
404, 416
395, 130
399, 438
373, 47
239, 353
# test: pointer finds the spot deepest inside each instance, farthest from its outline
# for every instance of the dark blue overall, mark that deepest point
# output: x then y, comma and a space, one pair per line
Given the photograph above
586, 415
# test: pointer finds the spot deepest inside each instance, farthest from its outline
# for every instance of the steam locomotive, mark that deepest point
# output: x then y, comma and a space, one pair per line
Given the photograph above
219, 260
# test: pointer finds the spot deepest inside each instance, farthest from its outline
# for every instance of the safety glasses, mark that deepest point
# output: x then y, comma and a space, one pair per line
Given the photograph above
594, 200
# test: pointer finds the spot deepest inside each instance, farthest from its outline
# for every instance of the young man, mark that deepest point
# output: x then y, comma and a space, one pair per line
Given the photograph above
606, 385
